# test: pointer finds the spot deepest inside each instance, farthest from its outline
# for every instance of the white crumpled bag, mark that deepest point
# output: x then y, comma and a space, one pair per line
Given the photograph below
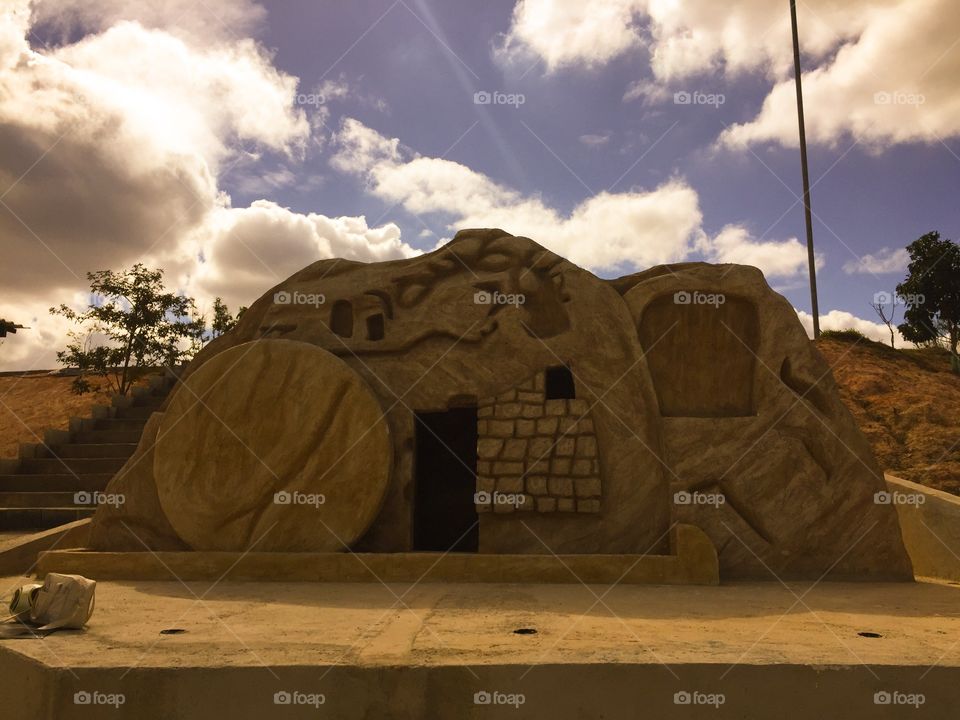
64, 601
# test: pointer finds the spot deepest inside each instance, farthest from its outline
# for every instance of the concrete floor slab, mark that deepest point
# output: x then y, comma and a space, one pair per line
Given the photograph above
398, 650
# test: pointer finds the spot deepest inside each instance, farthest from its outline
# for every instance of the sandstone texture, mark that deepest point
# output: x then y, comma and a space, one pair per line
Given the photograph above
603, 413
140, 522
276, 445
762, 453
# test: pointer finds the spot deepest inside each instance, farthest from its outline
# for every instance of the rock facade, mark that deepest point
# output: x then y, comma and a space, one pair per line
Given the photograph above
692, 395
536, 454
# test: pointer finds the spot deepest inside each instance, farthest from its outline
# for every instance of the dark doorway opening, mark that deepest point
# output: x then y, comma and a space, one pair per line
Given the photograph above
445, 517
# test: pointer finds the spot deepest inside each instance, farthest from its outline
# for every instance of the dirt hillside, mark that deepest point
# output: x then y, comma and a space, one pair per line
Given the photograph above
907, 403
29, 404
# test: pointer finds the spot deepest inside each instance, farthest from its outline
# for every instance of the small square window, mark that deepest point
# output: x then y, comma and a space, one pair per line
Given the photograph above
559, 383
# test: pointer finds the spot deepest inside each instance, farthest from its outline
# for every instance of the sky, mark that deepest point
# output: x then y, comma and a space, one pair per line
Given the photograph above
233, 142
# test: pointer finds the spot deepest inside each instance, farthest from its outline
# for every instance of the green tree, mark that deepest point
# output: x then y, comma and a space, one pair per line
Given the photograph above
931, 293
223, 321
139, 325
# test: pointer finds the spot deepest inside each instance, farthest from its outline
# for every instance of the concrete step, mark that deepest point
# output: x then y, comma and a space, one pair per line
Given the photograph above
40, 518
78, 465
153, 400
107, 436
120, 424
22, 499
54, 482
93, 450
136, 411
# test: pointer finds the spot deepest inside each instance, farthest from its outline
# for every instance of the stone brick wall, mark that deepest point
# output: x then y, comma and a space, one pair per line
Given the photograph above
535, 454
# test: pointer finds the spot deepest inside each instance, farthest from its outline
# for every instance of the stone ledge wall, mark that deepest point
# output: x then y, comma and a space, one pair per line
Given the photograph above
535, 454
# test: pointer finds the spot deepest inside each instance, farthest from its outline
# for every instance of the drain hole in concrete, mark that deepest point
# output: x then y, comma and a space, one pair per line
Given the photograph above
524, 631
869, 634
172, 631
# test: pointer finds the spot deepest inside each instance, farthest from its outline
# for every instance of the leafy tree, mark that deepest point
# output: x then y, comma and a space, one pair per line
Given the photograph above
223, 321
139, 322
931, 292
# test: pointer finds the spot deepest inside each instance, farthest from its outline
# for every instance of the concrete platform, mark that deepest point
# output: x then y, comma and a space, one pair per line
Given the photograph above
930, 523
693, 561
368, 650
19, 550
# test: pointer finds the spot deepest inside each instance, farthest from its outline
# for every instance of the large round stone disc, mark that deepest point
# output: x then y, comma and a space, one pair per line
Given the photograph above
273, 444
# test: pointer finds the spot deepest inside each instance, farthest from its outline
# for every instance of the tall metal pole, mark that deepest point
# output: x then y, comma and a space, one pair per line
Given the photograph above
811, 260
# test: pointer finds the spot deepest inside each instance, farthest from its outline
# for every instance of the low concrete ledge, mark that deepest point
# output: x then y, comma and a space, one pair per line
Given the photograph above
18, 556
428, 651
693, 562
931, 528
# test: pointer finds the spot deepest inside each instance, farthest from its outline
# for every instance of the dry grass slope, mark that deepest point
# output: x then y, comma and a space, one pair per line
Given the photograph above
30, 404
907, 402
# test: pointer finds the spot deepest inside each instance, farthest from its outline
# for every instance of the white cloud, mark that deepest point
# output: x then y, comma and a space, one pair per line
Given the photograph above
103, 161
843, 320
691, 37
569, 32
881, 72
112, 147
885, 260
247, 250
684, 37
776, 258
895, 84
606, 232
595, 140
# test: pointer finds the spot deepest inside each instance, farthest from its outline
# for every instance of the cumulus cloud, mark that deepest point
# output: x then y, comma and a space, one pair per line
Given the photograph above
616, 232
735, 244
104, 160
869, 76
895, 83
683, 38
570, 32
843, 320
606, 231
112, 147
247, 250
883, 261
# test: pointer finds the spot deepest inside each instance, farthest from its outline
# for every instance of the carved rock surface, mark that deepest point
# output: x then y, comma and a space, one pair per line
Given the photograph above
272, 444
139, 523
683, 383
752, 415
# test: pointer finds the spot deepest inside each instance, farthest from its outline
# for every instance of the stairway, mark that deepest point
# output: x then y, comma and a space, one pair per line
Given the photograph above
57, 481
